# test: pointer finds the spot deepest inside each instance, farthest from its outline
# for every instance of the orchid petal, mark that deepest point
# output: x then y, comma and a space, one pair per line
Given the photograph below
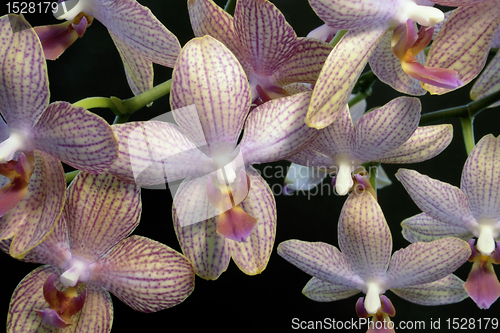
386, 128
481, 179
209, 76
321, 260
100, 211
426, 262
423, 228
439, 200
425, 143
321, 291
482, 284
489, 81
76, 137
276, 130
146, 275
155, 152
457, 3
252, 255
447, 290
464, 42
364, 236
137, 27
340, 73
31, 221
269, 41
97, 313
24, 84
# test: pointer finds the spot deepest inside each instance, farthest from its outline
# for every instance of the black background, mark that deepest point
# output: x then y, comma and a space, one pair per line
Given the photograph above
92, 67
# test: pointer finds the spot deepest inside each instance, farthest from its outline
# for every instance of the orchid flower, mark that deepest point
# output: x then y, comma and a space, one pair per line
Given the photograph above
471, 211
419, 273
138, 35
264, 43
389, 134
89, 254
371, 24
223, 207
36, 137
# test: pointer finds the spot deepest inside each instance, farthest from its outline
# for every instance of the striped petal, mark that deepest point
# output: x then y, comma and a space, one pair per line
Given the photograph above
252, 255
340, 73
24, 84
464, 42
35, 215
76, 137
426, 262
156, 152
135, 26
100, 211
447, 290
387, 128
489, 81
439, 200
364, 236
321, 291
321, 260
425, 143
481, 179
276, 130
97, 313
423, 228
209, 76
146, 275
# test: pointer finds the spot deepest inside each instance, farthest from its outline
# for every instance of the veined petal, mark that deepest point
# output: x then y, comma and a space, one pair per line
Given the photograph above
209, 76
24, 84
489, 81
155, 152
382, 130
425, 143
423, 228
34, 217
138, 68
447, 290
146, 275
439, 200
267, 39
276, 130
321, 291
97, 313
138, 28
426, 262
340, 73
464, 41
321, 260
364, 236
76, 137
481, 179
100, 211
252, 255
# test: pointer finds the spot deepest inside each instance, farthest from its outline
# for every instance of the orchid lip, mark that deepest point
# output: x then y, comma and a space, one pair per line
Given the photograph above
68, 10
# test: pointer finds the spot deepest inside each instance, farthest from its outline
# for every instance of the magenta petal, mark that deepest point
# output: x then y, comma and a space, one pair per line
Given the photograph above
439, 77
482, 284
236, 224
50, 317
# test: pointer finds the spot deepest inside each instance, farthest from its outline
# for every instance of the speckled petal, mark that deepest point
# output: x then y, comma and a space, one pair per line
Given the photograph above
426, 262
481, 179
464, 41
276, 130
489, 81
252, 255
364, 236
97, 313
439, 200
35, 215
138, 28
146, 275
423, 228
425, 143
340, 73
447, 290
100, 211
24, 84
208, 75
321, 291
76, 137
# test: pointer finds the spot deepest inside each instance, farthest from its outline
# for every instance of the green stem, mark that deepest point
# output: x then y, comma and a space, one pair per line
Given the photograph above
71, 175
338, 37
138, 102
468, 131
230, 6
97, 102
